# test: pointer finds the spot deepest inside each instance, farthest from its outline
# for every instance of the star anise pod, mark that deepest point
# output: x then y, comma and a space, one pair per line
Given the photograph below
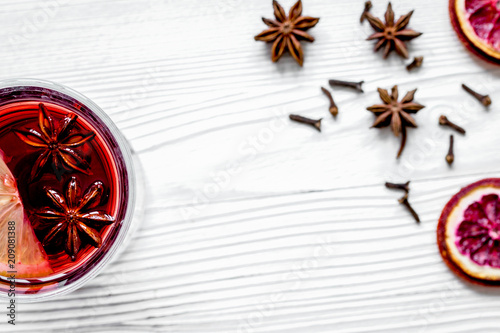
396, 113
72, 216
287, 31
392, 36
56, 144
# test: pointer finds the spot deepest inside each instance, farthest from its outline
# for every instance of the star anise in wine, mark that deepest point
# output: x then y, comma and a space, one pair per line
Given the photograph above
72, 216
56, 144
287, 31
396, 113
392, 35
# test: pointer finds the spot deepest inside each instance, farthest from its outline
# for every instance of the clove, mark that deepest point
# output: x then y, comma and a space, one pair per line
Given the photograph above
354, 85
416, 63
404, 201
483, 99
334, 110
368, 6
313, 122
396, 186
443, 121
450, 157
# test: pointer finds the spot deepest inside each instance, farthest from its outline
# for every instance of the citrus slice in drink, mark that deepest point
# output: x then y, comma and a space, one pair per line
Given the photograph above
477, 23
468, 232
21, 253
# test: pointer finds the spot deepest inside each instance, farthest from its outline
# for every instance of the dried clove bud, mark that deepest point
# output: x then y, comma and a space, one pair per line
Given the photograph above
396, 186
450, 157
313, 122
483, 99
354, 85
368, 6
404, 201
416, 63
443, 121
334, 110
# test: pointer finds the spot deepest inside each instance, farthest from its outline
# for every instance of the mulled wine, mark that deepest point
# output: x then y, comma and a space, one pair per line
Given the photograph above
65, 188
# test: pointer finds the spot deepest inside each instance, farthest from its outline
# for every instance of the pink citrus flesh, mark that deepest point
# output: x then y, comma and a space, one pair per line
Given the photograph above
468, 232
477, 23
27, 258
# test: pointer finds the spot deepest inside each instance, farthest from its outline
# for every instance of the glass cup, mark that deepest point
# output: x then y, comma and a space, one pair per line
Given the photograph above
71, 194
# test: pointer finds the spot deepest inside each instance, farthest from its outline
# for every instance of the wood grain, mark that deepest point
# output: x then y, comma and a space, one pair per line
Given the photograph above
254, 223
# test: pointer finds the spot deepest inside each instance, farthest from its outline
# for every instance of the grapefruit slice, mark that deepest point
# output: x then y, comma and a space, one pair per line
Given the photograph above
30, 259
477, 23
468, 232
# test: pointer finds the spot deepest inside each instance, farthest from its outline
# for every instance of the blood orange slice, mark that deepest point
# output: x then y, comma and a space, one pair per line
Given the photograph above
477, 23
468, 232
30, 260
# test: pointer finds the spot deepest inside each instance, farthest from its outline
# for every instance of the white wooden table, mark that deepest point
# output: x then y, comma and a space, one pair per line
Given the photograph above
254, 223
